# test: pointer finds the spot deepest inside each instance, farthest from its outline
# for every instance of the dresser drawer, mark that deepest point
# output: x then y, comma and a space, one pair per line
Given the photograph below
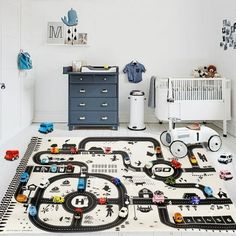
92, 117
97, 104
93, 90
112, 79
81, 79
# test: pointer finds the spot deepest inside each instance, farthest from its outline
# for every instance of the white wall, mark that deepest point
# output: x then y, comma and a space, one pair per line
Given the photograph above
17, 99
168, 37
225, 60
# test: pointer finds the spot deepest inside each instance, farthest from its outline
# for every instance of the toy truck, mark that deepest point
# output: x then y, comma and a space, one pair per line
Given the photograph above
12, 155
46, 127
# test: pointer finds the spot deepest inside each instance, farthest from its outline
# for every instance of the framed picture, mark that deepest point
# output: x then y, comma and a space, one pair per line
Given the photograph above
55, 33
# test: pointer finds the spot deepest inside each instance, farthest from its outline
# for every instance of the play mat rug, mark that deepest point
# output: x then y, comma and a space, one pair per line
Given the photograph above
116, 184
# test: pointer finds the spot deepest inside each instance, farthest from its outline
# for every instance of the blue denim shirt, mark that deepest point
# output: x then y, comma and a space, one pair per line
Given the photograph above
134, 71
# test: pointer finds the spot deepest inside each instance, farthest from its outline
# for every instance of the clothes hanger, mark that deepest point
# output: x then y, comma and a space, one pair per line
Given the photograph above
134, 62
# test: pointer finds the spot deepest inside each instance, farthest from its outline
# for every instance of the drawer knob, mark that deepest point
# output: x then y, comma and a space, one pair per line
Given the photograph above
104, 118
82, 104
104, 91
105, 104
82, 91
81, 79
82, 118
105, 79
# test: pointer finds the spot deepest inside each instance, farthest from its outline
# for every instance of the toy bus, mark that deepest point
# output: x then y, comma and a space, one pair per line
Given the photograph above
81, 184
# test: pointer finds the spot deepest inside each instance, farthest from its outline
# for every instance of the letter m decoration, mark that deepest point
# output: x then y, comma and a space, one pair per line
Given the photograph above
56, 33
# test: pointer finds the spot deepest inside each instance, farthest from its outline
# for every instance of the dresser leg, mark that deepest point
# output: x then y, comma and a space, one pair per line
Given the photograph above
114, 128
70, 127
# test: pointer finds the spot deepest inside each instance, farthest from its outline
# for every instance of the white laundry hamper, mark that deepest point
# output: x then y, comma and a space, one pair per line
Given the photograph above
137, 98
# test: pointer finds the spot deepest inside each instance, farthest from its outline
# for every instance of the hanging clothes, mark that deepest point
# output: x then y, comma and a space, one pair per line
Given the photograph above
134, 71
152, 93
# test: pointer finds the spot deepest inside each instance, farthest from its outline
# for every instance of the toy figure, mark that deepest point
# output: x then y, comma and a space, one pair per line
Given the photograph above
72, 18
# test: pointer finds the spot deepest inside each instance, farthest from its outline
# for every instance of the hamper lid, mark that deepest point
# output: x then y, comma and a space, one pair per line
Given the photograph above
137, 93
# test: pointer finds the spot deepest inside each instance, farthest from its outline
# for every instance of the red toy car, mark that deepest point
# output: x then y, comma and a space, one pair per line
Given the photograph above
174, 163
102, 200
78, 213
73, 150
12, 155
70, 168
107, 150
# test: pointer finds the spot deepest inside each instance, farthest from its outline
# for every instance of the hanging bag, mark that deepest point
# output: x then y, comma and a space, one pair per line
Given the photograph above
24, 61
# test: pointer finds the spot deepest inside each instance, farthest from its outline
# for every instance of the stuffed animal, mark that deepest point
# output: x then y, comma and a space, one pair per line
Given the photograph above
212, 72
206, 72
201, 72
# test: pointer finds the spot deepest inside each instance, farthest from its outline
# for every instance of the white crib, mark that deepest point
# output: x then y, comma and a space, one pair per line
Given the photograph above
193, 99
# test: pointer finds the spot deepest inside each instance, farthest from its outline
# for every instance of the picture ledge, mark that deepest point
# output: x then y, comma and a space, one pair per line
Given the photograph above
68, 45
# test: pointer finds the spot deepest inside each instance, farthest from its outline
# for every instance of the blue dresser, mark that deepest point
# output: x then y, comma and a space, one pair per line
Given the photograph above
93, 99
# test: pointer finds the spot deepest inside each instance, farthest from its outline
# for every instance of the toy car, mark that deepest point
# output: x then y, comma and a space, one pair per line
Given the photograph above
177, 139
158, 197
73, 150
102, 200
21, 198
225, 158
32, 210
107, 150
61, 169
127, 160
81, 184
55, 150
44, 183
226, 175
174, 163
24, 177
58, 199
149, 165
53, 168
46, 127
158, 150
123, 212
208, 191
194, 200
78, 213
170, 180
44, 159
178, 218
193, 160
116, 181
12, 155
70, 168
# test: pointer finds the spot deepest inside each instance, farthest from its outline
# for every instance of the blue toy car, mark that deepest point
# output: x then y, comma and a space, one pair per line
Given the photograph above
46, 127
53, 168
32, 210
194, 200
116, 181
44, 160
208, 191
24, 177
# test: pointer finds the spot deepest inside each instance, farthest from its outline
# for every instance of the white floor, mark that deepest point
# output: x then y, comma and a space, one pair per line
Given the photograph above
7, 169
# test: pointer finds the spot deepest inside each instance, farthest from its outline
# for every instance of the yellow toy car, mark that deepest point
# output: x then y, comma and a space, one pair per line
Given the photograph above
178, 218
193, 160
58, 199
21, 198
